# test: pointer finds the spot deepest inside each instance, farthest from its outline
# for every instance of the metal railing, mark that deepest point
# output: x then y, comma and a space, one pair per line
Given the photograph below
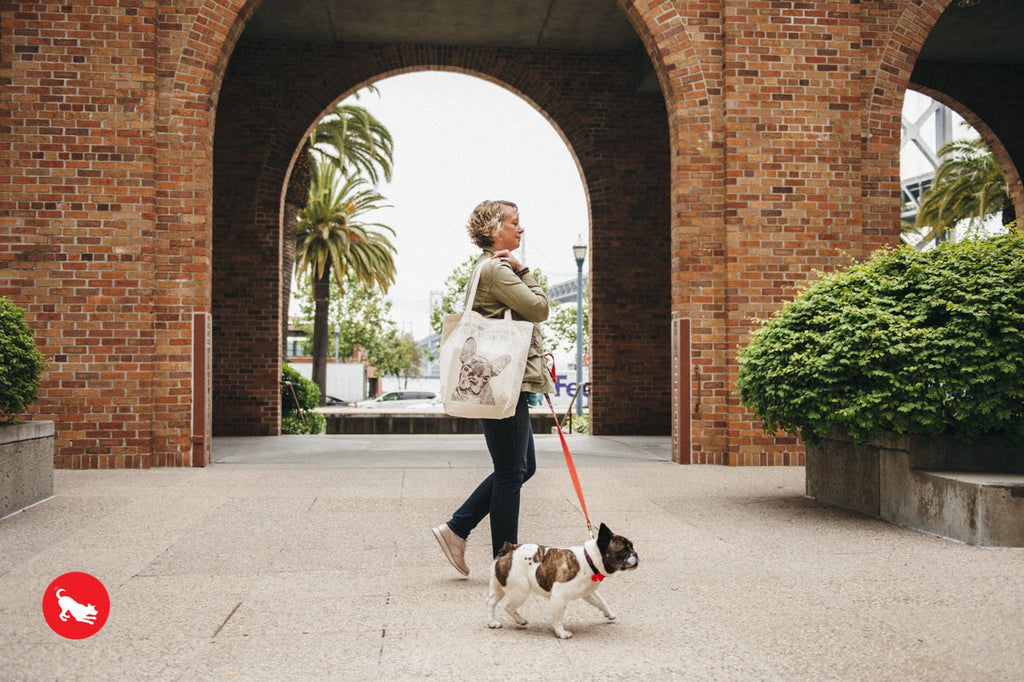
569, 413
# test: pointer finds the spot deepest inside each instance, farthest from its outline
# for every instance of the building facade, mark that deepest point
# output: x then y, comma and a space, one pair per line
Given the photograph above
147, 145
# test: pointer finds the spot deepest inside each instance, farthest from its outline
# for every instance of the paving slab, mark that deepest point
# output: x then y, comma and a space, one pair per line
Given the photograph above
311, 558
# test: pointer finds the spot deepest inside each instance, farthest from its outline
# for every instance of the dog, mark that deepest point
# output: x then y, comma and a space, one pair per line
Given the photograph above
69, 608
475, 375
560, 574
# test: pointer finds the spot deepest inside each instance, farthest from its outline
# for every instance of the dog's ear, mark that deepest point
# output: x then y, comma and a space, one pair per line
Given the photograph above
604, 537
468, 350
500, 363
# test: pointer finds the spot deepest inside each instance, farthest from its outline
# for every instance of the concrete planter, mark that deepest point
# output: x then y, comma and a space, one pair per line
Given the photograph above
26, 465
972, 493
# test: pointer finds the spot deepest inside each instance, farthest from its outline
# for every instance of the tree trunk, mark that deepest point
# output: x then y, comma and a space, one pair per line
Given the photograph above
295, 200
291, 217
321, 311
1009, 210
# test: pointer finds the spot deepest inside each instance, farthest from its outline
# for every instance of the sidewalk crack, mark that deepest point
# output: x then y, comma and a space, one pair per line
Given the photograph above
221, 627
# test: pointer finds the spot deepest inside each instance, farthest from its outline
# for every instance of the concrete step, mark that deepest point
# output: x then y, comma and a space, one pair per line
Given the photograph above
413, 422
976, 508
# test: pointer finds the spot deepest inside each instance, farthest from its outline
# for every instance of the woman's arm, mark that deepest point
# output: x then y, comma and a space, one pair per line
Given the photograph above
522, 294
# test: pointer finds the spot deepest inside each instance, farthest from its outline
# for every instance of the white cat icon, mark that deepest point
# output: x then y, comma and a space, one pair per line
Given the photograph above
69, 608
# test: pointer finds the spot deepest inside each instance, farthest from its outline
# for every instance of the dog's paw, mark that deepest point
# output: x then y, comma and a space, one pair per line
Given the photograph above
494, 624
610, 615
562, 633
520, 621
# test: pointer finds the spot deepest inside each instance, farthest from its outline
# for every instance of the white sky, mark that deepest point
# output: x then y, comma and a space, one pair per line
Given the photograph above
460, 140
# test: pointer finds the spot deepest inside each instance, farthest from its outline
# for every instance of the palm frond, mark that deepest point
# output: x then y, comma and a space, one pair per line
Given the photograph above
331, 232
354, 140
968, 186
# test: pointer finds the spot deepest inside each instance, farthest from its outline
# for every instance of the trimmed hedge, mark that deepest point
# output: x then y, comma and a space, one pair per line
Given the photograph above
21, 363
913, 343
308, 394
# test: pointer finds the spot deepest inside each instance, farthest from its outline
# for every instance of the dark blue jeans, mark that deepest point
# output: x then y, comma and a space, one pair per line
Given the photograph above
510, 442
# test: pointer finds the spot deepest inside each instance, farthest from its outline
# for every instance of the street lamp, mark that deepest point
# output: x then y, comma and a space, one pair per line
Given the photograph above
579, 252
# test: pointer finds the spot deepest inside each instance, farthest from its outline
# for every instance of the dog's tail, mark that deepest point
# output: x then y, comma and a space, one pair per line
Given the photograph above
507, 548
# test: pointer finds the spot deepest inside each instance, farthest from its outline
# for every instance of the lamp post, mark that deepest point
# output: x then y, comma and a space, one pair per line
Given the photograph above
579, 252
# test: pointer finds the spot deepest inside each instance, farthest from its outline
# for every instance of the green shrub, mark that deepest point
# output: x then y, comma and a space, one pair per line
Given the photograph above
313, 423
579, 423
911, 343
308, 395
21, 363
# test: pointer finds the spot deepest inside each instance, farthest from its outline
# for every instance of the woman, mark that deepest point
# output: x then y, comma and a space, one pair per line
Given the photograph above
504, 283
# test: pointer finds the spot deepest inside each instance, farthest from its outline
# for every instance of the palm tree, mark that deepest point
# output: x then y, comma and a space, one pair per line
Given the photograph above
356, 142
968, 185
332, 240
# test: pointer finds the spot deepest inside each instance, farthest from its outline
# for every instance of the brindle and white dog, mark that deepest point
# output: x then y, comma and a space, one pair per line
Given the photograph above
561, 575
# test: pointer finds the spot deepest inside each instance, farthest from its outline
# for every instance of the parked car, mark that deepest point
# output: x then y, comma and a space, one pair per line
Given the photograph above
435, 404
339, 402
398, 400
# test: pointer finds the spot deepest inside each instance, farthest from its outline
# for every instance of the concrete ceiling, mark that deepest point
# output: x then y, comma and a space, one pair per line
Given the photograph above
585, 25
969, 31
978, 32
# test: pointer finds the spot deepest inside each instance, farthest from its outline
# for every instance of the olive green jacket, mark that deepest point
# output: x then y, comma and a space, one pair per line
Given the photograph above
500, 288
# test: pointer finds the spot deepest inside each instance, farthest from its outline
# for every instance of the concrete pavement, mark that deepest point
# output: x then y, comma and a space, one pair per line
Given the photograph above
311, 558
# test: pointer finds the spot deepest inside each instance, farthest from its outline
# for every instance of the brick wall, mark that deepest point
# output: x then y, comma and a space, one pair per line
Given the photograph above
792, 173
79, 219
104, 232
772, 150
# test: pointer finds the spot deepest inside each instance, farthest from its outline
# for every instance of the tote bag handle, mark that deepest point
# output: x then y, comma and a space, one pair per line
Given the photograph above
474, 281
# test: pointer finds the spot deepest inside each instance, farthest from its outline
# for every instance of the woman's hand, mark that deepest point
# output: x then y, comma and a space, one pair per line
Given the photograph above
505, 253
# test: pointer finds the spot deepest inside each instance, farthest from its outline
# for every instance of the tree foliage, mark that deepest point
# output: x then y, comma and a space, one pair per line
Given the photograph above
923, 343
332, 234
334, 242
453, 298
21, 363
355, 142
968, 188
362, 317
349, 138
562, 327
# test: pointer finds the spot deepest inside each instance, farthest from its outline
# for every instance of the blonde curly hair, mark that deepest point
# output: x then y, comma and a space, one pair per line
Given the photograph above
485, 221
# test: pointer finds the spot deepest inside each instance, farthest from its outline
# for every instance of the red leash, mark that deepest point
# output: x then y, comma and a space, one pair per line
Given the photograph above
565, 449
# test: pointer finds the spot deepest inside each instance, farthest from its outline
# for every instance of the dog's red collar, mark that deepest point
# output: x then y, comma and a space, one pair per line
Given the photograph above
598, 576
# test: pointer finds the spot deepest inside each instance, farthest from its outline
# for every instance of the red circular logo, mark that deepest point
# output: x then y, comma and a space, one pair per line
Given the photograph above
76, 605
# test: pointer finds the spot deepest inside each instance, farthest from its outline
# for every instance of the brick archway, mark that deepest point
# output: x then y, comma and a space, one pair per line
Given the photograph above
624, 145
699, 352
195, 56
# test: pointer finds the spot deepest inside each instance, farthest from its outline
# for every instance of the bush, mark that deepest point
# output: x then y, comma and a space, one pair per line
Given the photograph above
21, 363
911, 343
308, 395
313, 423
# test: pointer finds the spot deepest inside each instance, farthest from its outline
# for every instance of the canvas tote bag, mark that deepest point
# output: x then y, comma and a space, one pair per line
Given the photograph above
483, 360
